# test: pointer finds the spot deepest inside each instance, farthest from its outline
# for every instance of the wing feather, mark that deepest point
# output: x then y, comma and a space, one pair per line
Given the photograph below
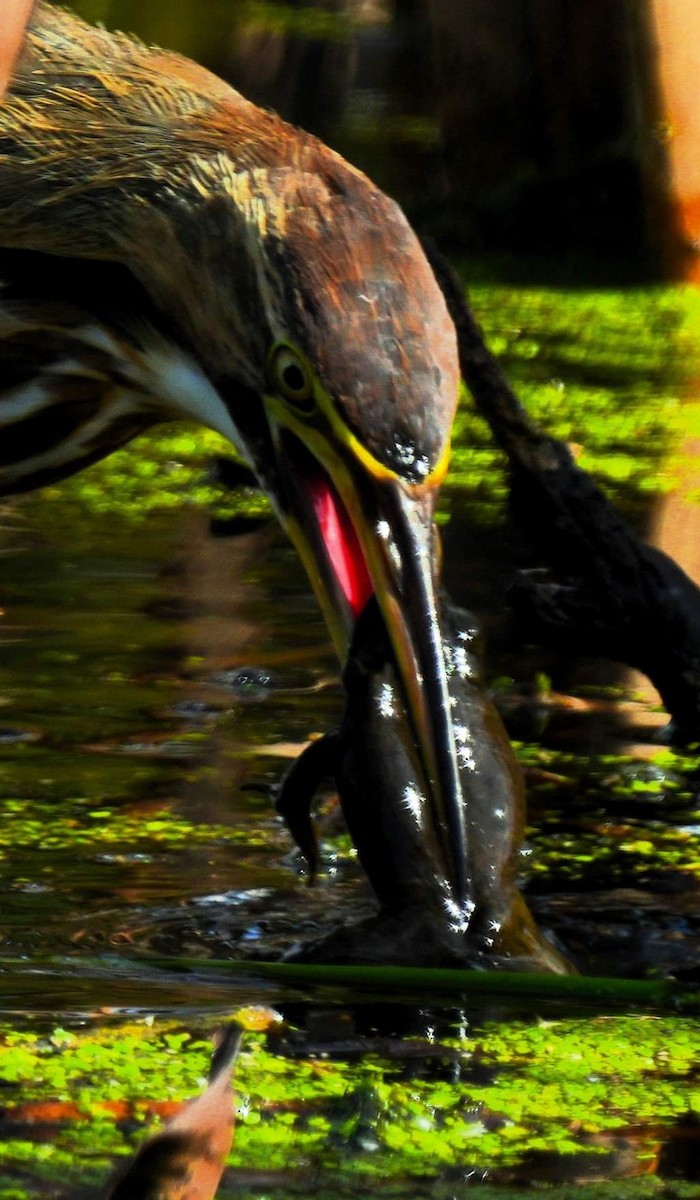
86, 364
63, 404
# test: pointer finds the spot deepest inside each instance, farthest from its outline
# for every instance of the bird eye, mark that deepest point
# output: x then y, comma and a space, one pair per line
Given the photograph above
292, 379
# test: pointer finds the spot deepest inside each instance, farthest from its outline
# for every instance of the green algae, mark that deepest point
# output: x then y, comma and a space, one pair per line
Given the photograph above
490, 1094
77, 825
605, 820
156, 473
607, 371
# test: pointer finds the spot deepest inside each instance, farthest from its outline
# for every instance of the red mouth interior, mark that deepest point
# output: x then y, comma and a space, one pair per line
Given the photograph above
341, 542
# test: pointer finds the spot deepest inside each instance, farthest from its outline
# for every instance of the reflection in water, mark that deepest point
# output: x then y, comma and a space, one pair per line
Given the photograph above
119, 665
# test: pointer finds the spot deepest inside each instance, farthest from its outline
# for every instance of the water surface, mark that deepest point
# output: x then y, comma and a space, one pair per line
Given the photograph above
149, 673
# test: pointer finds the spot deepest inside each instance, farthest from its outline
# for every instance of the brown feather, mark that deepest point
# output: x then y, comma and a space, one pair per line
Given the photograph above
240, 229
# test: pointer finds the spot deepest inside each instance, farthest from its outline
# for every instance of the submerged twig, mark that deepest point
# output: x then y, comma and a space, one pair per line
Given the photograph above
508, 989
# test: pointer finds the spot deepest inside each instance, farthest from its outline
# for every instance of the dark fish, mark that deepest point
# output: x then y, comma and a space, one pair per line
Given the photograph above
500, 925
384, 804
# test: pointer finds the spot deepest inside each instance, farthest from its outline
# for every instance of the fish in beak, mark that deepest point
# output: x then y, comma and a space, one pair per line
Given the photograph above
362, 531
390, 822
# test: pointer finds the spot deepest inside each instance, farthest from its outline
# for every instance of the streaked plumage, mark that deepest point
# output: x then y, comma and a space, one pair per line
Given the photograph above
169, 250
239, 229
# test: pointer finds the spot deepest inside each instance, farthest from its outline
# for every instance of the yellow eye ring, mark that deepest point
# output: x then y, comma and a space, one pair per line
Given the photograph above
291, 378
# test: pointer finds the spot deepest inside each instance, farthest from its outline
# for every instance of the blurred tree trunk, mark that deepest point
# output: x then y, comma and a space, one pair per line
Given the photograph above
301, 67
538, 103
672, 133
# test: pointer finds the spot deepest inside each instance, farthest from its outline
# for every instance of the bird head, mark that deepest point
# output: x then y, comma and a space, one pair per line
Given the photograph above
287, 303
357, 387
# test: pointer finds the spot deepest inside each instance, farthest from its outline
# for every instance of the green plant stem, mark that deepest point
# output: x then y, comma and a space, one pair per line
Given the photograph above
506, 987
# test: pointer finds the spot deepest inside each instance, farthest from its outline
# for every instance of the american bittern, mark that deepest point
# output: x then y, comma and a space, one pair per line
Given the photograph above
170, 250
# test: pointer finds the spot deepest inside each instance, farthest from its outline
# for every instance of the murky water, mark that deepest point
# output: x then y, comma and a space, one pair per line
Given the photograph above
149, 685
148, 676
152, 676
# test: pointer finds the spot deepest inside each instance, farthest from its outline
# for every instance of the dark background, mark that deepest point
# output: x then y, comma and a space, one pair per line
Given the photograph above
531, 127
